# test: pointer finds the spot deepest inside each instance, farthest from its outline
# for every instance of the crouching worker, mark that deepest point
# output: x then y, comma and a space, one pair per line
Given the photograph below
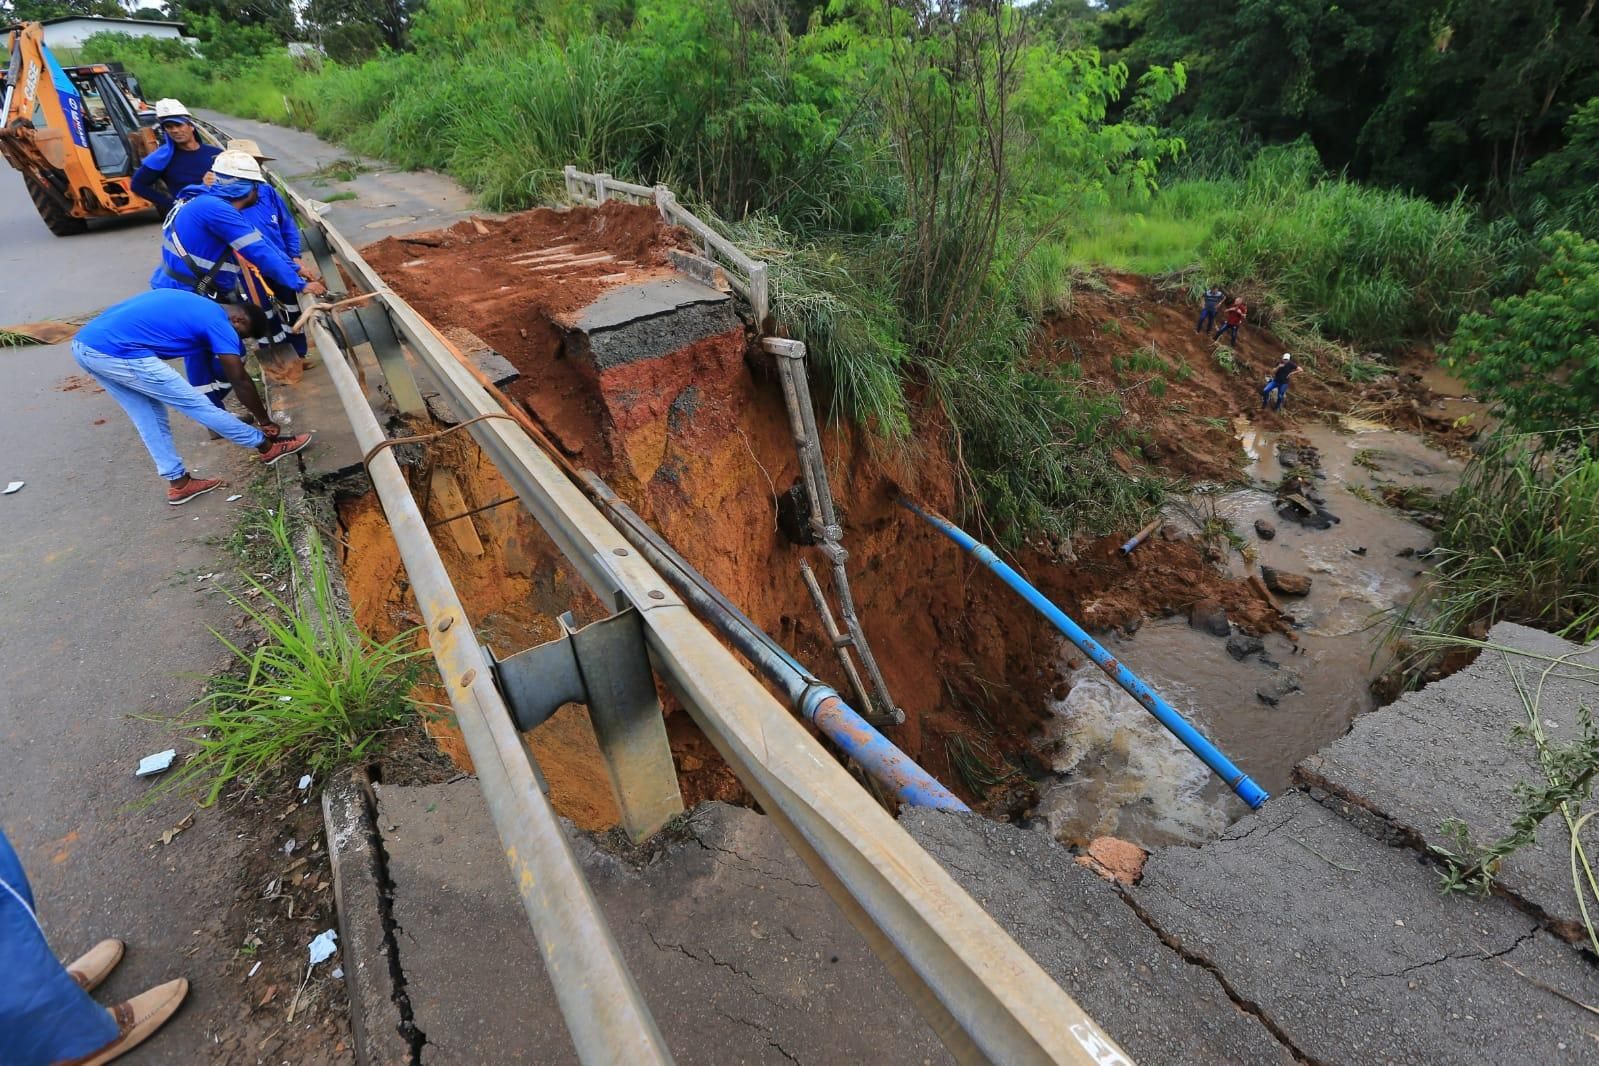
123, 350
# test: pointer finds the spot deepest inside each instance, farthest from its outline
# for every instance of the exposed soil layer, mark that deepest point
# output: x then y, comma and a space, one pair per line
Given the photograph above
1138, 340
514, 285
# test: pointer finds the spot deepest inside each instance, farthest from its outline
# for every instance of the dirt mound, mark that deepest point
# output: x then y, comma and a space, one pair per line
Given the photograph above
1182, 389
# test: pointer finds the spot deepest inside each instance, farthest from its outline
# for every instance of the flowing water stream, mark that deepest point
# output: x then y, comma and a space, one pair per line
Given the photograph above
1118, 772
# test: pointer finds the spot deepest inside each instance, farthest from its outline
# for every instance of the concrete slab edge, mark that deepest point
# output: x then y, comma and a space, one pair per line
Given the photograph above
1357, 811
378, 1026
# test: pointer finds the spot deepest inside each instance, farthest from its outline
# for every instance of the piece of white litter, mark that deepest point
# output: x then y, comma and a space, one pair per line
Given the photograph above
285, 699
13, 487
154, 764
322, 948
288, 849
235, 497
338, 973
305, 782
254, 968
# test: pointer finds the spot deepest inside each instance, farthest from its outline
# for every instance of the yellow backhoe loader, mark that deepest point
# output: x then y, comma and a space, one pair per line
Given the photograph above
77, 134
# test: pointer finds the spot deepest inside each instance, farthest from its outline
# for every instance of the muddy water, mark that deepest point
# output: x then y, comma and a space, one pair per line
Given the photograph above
1118, 772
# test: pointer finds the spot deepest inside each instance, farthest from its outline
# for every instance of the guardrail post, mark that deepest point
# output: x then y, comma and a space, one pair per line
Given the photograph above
758, 295
605, 666
569, 174
599, 186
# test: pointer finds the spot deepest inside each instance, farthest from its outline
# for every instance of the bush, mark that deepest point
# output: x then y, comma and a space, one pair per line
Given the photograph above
1536, 356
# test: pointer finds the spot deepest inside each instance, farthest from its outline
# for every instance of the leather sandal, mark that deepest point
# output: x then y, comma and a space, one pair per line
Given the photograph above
136, 1020
92, 967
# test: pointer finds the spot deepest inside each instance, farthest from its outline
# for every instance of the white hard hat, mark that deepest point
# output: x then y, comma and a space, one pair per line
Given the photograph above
236, 164
170, 108
1287, 357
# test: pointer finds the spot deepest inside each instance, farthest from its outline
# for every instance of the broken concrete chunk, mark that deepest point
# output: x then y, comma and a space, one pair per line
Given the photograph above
1285, 582
1114, 860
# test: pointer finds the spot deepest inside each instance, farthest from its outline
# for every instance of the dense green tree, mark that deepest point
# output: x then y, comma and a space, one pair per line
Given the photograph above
35, 10
276, 16
1433, 95
1536, 355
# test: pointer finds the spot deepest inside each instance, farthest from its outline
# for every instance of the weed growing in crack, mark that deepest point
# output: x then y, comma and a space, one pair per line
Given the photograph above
1568, 773
316, 694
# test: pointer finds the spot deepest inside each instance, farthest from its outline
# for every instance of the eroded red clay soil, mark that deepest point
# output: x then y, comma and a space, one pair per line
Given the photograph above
698, 442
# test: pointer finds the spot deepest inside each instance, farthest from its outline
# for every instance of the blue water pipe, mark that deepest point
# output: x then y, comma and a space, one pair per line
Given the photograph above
818, 703
1167, 715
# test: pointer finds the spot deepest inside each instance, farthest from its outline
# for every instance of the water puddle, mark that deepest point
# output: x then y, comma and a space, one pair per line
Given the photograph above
1118, 772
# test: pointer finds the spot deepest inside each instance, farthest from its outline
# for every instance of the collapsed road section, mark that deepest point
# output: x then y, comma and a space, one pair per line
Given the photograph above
983, 996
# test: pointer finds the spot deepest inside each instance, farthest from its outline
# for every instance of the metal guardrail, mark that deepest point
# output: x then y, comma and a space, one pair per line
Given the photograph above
748, 276
983, 995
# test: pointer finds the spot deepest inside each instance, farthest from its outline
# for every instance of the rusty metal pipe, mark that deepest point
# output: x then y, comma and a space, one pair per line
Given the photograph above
817, 702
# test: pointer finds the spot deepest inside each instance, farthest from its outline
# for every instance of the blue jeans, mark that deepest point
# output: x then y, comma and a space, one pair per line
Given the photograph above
44, 1016
146, 388
1228, 328
1207, 318
1282, 395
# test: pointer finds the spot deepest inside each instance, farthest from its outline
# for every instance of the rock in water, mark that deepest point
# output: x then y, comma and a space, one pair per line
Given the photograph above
1286, 582
1274, 688
1264, 529
1241, 646
1210, 617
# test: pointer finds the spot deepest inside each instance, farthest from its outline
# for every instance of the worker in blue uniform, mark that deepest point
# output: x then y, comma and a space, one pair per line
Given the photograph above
181, 160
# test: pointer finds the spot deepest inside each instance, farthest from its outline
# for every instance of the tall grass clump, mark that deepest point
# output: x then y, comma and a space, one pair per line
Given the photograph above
316, 694
1519, 542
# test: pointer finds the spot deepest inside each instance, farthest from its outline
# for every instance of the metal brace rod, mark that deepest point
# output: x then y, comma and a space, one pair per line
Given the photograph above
824, 522
604, 1011
982, 994
840, 643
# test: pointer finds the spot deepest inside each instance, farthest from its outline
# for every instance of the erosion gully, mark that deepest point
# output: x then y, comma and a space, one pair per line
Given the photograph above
1118, 773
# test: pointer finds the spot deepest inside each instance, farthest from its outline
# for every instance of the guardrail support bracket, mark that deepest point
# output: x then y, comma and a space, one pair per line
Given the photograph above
605, 666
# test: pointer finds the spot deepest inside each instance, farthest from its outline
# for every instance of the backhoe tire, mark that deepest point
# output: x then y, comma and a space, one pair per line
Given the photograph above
60, 223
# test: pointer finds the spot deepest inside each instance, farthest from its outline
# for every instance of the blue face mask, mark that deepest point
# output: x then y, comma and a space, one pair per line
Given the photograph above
231, 188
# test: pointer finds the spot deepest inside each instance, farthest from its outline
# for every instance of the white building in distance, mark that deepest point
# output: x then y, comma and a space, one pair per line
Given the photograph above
70, 31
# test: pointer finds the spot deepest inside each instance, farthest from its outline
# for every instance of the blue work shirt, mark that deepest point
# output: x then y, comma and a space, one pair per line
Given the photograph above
174, 168
209, 228
167, 324
271, 216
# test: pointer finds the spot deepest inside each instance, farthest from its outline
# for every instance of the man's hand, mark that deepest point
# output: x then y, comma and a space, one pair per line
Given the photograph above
315, 288
271, 430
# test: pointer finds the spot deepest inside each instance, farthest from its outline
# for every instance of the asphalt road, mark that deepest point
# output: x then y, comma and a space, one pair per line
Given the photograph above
105, 630
102, 621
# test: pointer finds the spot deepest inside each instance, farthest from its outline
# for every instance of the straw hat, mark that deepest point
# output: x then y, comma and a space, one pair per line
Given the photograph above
249, 147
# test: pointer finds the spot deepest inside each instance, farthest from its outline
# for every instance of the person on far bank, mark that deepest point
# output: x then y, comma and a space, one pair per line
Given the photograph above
1278, 382
123, 348
207, 230
180, 161
1232, 317
1207, 312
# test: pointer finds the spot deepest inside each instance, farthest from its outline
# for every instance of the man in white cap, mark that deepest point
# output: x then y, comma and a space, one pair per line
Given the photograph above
181, 160
1278, 382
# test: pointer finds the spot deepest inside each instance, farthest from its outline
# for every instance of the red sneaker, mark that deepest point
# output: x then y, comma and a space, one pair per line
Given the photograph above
285, 446
195, 486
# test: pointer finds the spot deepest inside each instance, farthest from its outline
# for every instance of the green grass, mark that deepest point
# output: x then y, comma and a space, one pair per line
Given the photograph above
338, 196
316, 694
12, 339
1517, 543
